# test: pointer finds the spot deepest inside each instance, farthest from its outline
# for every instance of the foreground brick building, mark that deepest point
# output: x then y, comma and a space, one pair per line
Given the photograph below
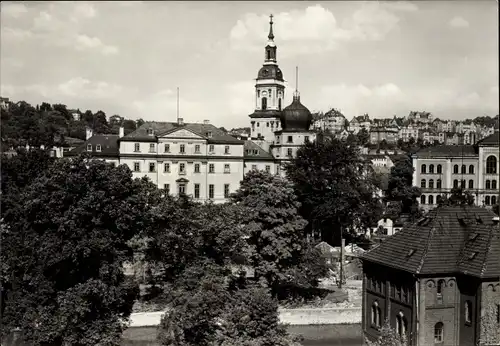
437, 281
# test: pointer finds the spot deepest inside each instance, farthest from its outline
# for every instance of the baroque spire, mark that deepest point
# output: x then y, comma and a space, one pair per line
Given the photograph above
271, 35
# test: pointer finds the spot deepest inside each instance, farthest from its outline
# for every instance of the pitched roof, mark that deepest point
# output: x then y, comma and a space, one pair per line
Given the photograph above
109, 146
491, 140
218, 136
254, 152
448, 239
446, 151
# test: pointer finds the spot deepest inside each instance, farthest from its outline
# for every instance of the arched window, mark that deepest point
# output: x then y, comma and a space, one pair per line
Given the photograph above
438, 199
471, 184
376, 314
438, 184
422, 183
439, 169
471, 169
431, 169
493, 200
491, 165
487, 200
264, 103
464, 169
488, 184
279, 104
455, 169
401, 324
462, 183
431, 183
455, 183
440, 286
268, 55
468, 311
422, 199
431, 199
438, 333
423, 169
493, 184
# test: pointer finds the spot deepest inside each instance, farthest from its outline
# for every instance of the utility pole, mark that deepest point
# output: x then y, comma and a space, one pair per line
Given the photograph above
342, 259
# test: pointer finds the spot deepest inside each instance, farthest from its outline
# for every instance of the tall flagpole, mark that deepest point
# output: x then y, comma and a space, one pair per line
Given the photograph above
177, 104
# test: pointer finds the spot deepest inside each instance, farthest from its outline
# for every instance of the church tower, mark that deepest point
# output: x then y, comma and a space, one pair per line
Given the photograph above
269, 94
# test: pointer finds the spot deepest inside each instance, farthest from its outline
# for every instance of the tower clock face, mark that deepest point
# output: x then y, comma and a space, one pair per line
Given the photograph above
266, 72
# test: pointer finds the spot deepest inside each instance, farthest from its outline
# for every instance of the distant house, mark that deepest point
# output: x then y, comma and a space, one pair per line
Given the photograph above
332, 121
360, 122
421, 117
4, 103
437, 281
379, 134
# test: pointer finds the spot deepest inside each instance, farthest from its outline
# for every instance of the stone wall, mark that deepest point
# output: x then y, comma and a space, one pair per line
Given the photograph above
490, 303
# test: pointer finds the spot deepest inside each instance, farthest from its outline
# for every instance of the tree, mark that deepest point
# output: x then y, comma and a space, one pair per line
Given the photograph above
129, 126
363, 137
388, 337
458, 196
63, 249
275, 233
334, 187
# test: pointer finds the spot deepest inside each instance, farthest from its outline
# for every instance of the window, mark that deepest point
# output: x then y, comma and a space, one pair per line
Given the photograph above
488, 184
498, 313
431, 183
267, 124
89, 147
289, 139
166, 187
404, 297
151, 147
197, 168
438, 333
166, 167
137, 166
182, 148
289, 152
227, 168
462, 183
211, 191
464, 169
423, 169
471, 184
468, 311
491, 165
431, 169
258, 124
263, 103
268, 169
137, 147
226, 149
152, 167
487, 200
455, 183
211, 148
254, 167
493, 200
471, 169
196, 191
422, 199
422, 184
439, 199
182, 168
455, 169
182, 188
438, 184
431, 199
493, 184
439, 289
401, 324
226, 190
376, 312
211, 168
98, 147
279, 104
209, 134
439, 169
150, 132
306, 139
197, 148
167, 148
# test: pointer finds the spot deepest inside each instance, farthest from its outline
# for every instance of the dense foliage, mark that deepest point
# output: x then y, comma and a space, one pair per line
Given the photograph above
335, 188
64, 242
388, 337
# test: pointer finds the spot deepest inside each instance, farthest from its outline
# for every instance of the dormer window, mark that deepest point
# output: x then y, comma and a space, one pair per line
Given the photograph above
209, 134
89, 147
150, 132
98, 147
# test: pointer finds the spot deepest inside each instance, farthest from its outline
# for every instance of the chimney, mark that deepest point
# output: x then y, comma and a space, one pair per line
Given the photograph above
206, 122
88, 133
121, 132
180, 121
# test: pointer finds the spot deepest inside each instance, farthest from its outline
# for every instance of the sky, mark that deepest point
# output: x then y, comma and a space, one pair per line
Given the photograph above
129, 58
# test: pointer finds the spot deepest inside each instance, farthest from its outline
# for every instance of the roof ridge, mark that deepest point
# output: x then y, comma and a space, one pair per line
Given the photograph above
426, 250
488, 248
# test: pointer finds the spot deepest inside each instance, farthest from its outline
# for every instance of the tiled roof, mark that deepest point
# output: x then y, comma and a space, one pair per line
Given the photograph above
162, 128
268, 113
256, 152
491, 140
447, 151
448, 239
108, 143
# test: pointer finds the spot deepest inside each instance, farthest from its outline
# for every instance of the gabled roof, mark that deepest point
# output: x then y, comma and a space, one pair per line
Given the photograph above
108, 143
448, 239
447, 151
254, 152
491, 140
218, 136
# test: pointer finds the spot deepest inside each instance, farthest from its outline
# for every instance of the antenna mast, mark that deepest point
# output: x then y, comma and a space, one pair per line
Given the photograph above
177, 104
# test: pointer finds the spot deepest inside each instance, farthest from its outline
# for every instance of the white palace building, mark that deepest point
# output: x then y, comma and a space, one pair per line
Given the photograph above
201, 160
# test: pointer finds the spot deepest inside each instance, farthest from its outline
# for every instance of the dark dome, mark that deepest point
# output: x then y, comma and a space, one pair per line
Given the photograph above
270, 72
296, 117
